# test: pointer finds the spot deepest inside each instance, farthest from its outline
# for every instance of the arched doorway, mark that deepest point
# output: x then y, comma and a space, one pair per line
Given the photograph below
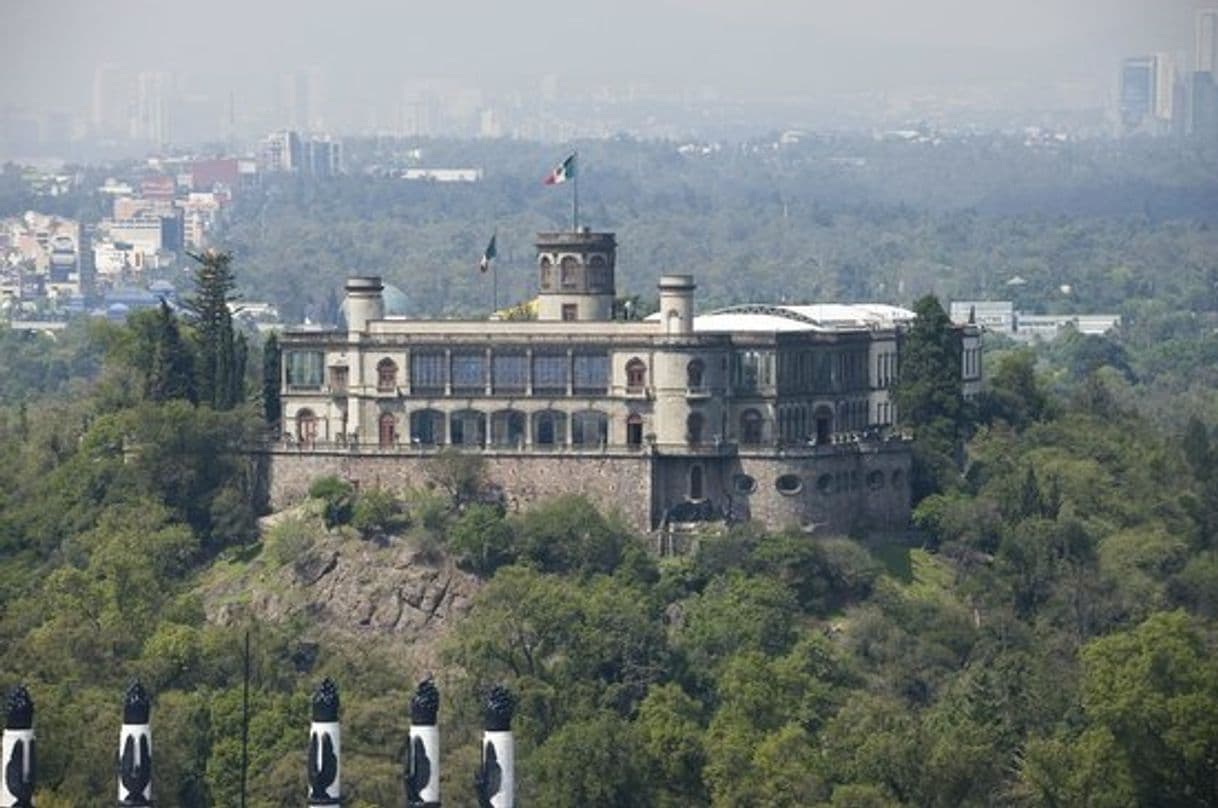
750, 427
387, 430
306, 427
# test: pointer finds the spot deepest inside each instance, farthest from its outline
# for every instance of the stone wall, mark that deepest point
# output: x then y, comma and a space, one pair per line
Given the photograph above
615, 482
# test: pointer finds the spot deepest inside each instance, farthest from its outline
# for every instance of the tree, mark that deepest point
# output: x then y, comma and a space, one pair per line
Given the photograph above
221, 362
171, 372
929, 396
598, 761
271, 357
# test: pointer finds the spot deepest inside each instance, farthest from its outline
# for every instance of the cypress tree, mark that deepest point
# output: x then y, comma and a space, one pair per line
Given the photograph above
171, 366
270, 379
929, 397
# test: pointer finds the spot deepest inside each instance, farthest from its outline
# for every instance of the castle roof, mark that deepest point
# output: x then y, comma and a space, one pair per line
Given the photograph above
819, 317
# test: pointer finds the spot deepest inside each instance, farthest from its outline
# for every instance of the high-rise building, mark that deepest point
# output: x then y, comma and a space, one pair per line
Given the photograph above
1137, 90
111, 101
151, 120
1207, 40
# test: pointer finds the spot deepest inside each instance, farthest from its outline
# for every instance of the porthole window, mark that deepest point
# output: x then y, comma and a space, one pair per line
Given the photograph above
898, 479
875, 480
744, 484
824, 483
788, 484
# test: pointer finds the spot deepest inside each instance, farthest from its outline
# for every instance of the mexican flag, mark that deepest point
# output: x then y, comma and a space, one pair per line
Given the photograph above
488, 255
562, 172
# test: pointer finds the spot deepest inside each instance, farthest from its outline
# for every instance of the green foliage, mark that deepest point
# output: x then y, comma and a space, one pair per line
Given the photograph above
272, 409
568, 534
338, 499
928, 396
482, 540
595, 761
221, 354
376, 513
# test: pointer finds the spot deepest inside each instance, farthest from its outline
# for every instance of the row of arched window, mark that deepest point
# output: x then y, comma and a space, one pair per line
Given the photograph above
508, 428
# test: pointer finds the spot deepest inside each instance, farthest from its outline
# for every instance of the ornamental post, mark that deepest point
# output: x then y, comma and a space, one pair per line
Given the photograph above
325, 748
135, 750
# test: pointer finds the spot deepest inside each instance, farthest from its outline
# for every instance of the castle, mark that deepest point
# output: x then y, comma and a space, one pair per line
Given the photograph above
777, 413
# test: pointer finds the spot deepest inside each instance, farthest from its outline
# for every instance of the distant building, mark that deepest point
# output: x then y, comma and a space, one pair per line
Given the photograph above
443, 174
288, 152
151, 119
1148, 94
1207, 40
1000, 317
281, 152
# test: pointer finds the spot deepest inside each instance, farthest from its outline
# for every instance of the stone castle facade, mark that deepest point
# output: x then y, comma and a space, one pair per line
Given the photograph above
777, 413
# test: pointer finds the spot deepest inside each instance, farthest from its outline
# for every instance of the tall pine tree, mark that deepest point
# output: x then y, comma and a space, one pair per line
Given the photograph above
221, 363
929, 395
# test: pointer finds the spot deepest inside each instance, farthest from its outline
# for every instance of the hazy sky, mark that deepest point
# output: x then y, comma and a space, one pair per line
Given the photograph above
741, 46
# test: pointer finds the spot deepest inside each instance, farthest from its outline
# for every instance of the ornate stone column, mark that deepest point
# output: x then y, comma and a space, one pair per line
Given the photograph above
135, 750
495, 781
325, 748
423, 756
17, 751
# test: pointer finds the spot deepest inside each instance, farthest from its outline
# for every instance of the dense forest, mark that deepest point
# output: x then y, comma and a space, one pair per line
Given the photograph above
1048, 635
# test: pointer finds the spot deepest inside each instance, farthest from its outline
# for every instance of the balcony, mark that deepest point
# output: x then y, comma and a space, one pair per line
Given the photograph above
698, 393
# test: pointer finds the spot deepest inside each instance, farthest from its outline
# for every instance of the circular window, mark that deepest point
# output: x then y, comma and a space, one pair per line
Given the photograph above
875, 480
744, 484
897, 479
824, 483
788, 484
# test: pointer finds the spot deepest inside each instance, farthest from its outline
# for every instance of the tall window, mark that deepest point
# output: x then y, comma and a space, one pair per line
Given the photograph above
428, 371
306, 427
338, 379
467, 428
694, 373
386, 374
694, 426
507, 428
469, 372
636, 375
388, 430
550, 373
750, 427
634, 430
427, 427
591, 373
696, 486
509, 373
549, 428
304, 368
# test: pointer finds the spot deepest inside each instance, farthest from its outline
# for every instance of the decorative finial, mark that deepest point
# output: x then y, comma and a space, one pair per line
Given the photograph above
500, 705
136, 704
325, 701
425, 703
19, 708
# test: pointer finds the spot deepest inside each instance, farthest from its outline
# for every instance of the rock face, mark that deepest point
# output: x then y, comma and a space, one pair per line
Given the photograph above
392, 593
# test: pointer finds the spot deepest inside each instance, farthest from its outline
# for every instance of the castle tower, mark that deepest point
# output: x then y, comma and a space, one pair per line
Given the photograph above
576, 279
677, 304
365, 302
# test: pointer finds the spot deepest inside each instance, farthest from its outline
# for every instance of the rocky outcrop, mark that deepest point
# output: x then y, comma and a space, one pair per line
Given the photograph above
391, 592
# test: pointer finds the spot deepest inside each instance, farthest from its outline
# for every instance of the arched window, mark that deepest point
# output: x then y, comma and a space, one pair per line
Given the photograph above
694, 426
589, 428
427, 427
636, 375
696, 487
634, 430
387, 430
547, 272
507, 428
467, 428
750, 427
306, 427
694, 373
567, 272
549, 428
386, 374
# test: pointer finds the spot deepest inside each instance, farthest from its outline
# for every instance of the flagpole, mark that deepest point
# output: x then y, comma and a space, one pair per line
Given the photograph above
495, 275
575, 206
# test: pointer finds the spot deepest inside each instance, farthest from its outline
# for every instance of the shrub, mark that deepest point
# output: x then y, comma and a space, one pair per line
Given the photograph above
289, 540
481, 539
338, 496
376, 513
